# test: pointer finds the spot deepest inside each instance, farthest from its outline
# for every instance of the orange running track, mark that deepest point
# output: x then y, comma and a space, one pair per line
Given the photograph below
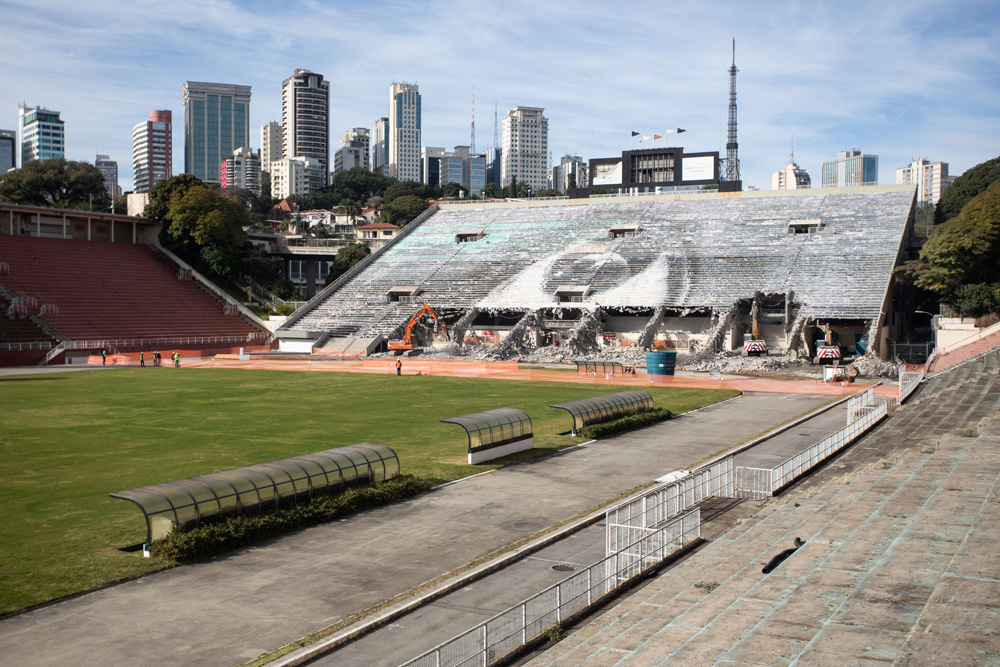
510, 370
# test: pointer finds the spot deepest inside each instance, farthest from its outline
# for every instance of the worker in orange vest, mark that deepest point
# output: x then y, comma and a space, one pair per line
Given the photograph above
142, 360
399, 367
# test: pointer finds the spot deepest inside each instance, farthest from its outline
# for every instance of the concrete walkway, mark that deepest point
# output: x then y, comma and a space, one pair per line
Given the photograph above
901, 561
233, 608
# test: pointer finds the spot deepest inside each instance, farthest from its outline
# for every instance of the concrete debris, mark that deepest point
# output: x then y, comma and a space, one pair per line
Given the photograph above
518, 342
583, 340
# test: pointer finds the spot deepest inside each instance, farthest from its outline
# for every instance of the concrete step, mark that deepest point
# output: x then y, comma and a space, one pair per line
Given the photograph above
880, 543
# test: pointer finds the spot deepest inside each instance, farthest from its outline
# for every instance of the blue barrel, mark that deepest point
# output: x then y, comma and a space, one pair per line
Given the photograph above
661, 362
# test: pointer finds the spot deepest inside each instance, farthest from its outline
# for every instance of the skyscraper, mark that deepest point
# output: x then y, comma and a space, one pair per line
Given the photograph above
380, 147
404, 132
241, 170
525, 148
270, 144
152, 150
216, 122
931, 179
43, 134
305, 119
850, 169
109, 170
8, 150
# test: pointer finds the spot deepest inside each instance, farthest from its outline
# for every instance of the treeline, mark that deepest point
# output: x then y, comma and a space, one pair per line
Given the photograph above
958, 265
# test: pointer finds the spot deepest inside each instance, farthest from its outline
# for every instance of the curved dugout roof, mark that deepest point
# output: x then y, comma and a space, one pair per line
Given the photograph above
492, 428
187, 503
602, 408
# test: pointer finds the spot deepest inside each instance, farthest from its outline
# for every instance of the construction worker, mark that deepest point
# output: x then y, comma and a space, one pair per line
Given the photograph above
399, 367
142, 360
104, 357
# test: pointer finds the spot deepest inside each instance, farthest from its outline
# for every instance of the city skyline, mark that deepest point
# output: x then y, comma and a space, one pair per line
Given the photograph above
900, 82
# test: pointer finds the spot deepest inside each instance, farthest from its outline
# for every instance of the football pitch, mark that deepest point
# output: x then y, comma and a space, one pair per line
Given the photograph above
69, 439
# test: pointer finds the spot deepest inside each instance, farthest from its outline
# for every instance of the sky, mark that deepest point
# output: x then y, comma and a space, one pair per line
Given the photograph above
897, 79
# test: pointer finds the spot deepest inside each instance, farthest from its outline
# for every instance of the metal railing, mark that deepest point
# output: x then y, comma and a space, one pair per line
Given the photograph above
53, 353
493, 640
908, 383
161, 342
265, 295
763, 482
626, 522
19, 347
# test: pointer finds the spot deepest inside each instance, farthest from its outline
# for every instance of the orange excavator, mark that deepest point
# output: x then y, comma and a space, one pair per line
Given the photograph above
407, 342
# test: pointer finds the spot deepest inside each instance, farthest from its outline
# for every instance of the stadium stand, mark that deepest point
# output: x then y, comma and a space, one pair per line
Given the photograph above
104, 290
705, 252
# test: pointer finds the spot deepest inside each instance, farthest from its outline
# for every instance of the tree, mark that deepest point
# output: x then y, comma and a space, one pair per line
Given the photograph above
203, 217
491, 190
452, 189
959, 261
570, 180
965, 188
549, 192
56, 182
407, 189
160, 194
403, 210
346, 258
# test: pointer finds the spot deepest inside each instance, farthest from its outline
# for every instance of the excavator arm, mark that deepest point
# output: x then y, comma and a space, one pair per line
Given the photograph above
407, 342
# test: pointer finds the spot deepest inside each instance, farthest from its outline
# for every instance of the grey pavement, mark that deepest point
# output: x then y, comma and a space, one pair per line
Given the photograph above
233, 608
423, 629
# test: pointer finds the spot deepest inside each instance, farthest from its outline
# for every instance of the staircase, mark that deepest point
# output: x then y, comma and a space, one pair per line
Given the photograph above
900, 557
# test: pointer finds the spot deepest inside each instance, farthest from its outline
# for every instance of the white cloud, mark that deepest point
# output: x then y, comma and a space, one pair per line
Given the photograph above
898, 80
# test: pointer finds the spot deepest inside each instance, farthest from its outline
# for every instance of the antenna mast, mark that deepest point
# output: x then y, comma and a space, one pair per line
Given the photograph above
472, 146
732, 147
496, 142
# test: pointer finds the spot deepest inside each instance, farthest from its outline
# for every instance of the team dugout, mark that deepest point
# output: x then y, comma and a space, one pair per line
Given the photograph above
187, 503
604, 408
495, 433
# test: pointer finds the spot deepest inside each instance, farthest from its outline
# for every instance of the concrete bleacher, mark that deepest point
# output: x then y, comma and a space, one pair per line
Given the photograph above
117, 291
900, 559
704, 253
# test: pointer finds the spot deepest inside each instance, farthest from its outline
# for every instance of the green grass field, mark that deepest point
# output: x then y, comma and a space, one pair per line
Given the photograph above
68, 439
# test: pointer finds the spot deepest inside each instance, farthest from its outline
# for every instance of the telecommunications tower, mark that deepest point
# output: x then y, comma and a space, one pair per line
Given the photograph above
731, 180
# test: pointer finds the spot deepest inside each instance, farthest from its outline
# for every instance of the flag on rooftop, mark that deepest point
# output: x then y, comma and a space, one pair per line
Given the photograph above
657, 136
635, 134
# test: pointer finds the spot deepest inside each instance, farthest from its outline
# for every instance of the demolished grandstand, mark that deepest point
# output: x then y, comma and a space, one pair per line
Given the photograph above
610, 275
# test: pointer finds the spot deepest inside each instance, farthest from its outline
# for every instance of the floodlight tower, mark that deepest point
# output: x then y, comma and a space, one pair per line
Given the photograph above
731, 181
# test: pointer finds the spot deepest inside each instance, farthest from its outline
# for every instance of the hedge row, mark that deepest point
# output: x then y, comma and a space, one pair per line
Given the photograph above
215, 538
633, 419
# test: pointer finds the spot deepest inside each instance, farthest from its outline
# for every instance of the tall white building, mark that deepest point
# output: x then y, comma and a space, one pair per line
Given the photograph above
109, 170
931, 179
270, 144
380, 147
241, 171
42, 134
360, 138
152, 146
404, 132
525, 149
294, 176
792, 177
850, 169
305, 118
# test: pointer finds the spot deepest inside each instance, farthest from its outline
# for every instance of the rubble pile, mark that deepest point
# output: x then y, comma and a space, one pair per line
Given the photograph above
583, 341
870, 366
517, 344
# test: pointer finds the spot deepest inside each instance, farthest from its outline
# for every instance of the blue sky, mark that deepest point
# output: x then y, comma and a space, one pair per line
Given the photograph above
896, 79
